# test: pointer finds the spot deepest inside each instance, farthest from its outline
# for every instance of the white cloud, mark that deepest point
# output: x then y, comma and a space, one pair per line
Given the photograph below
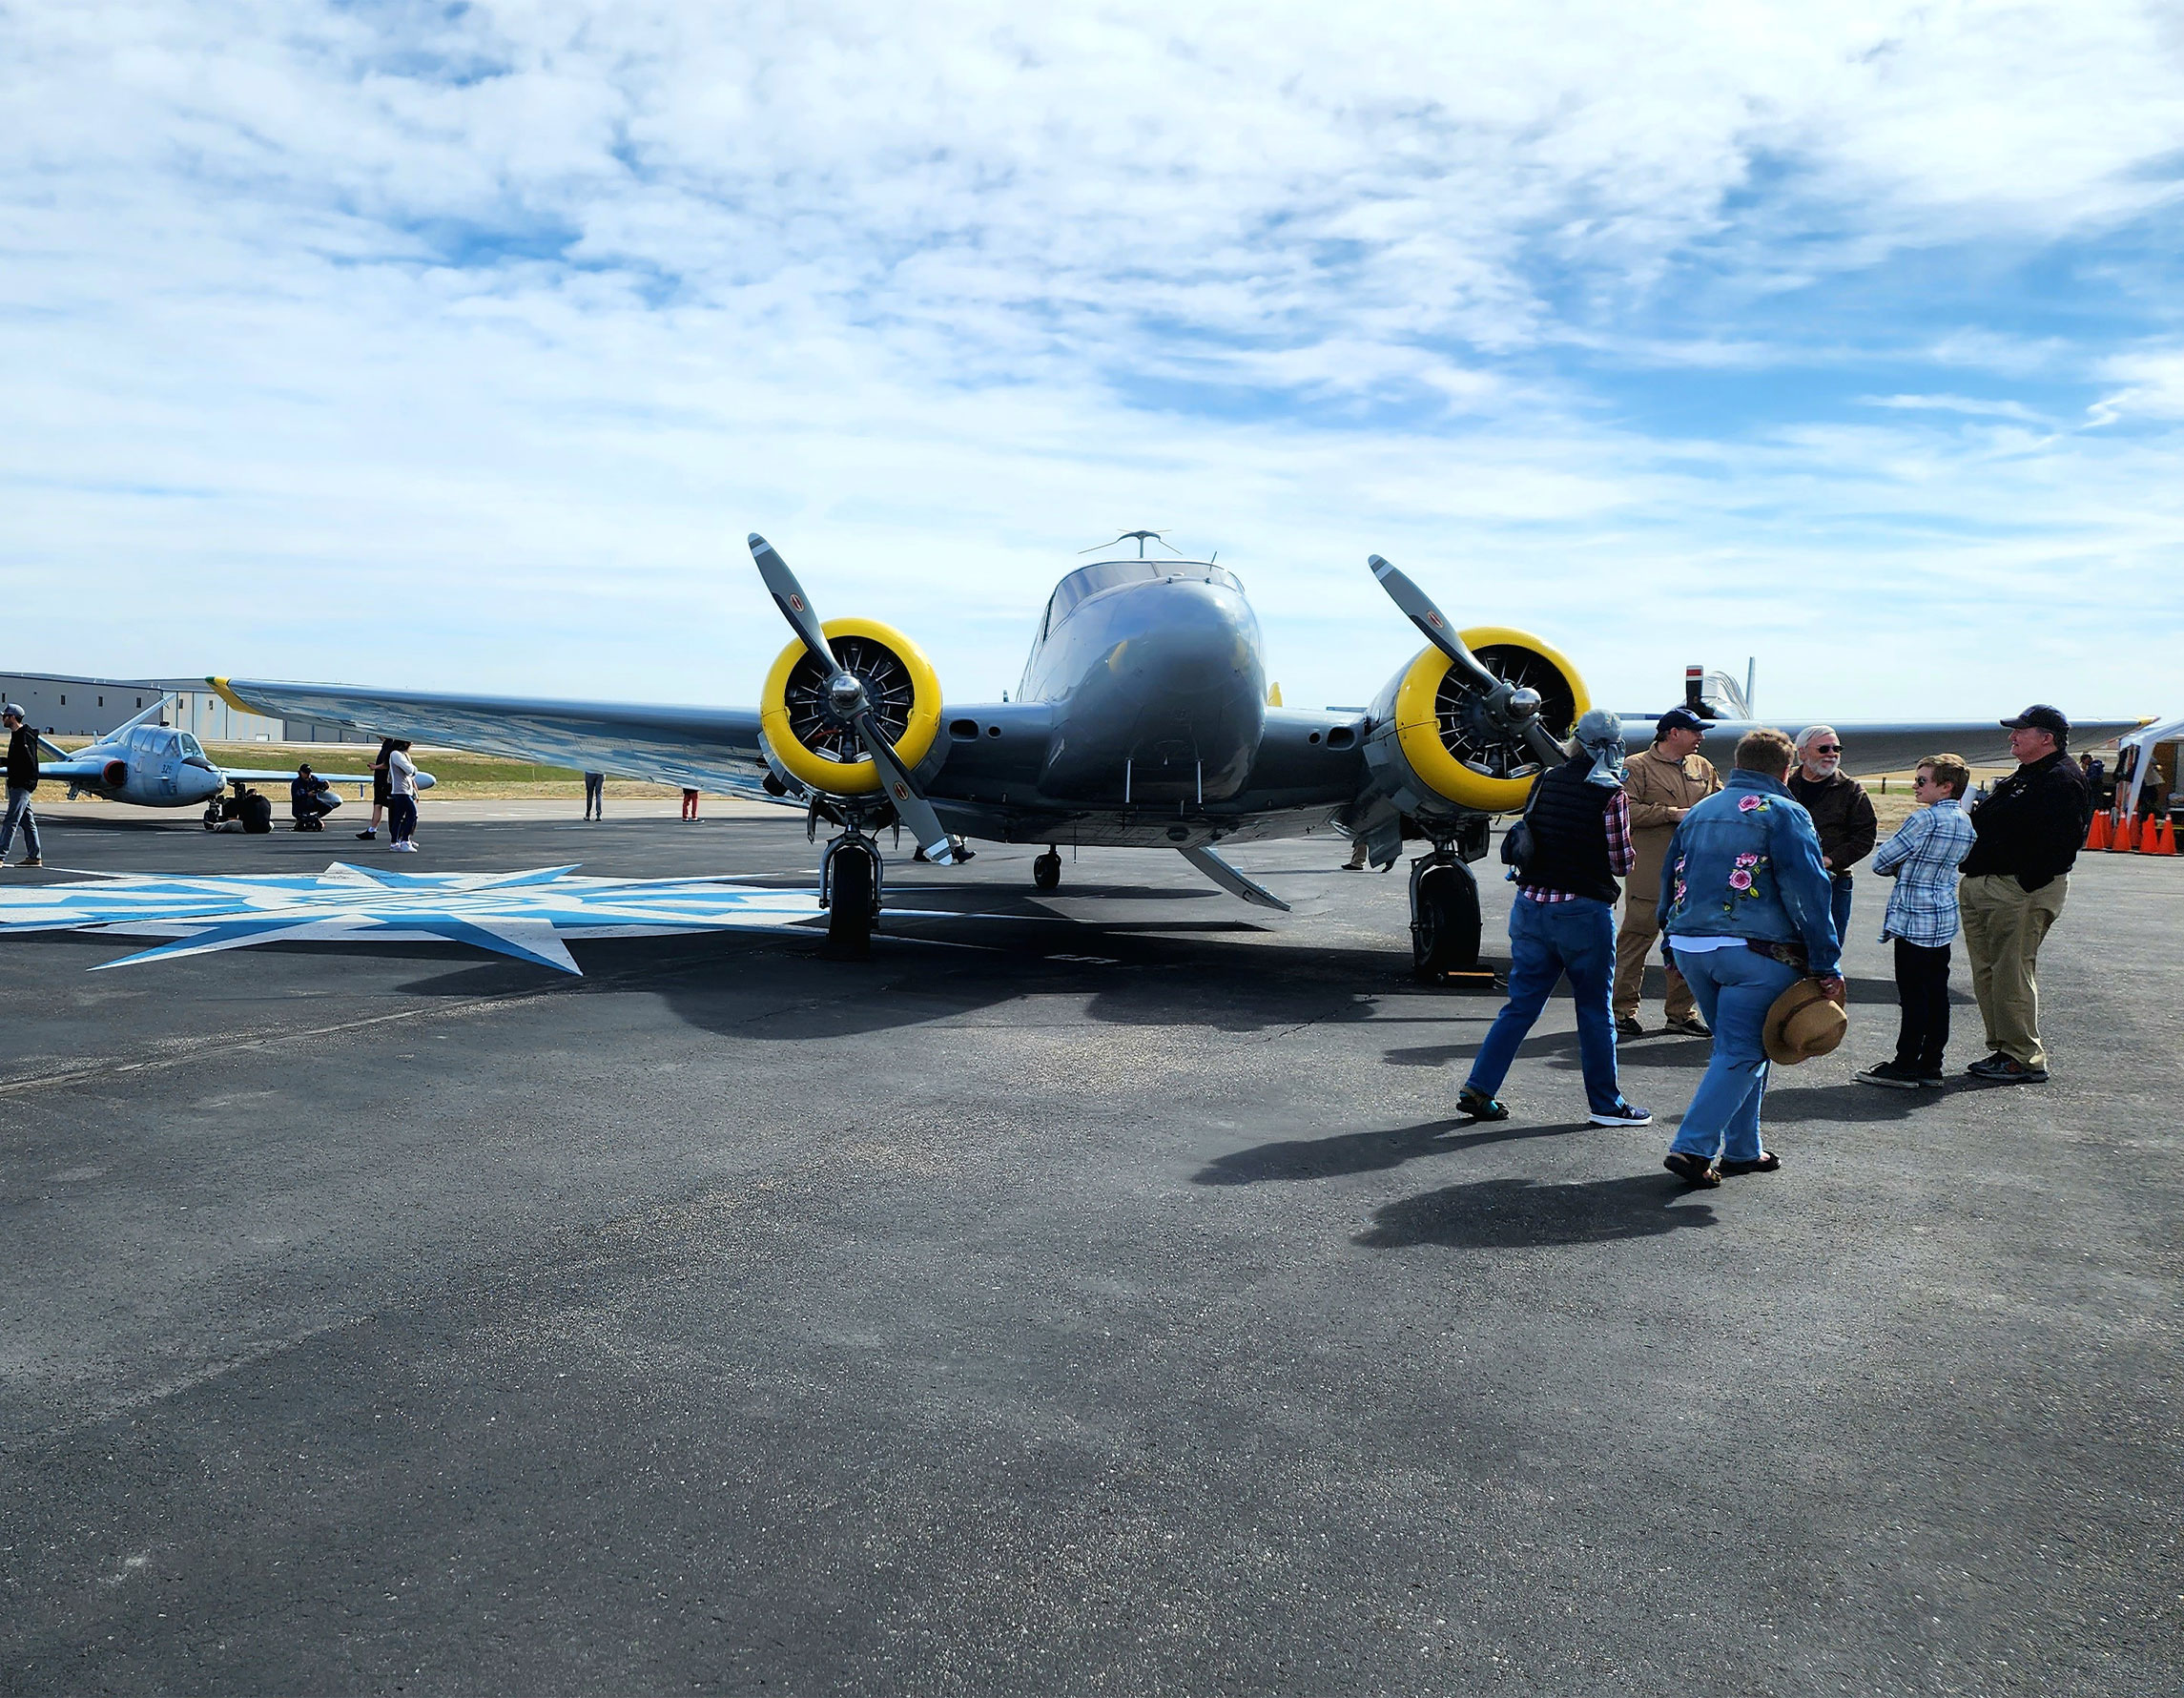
482, 337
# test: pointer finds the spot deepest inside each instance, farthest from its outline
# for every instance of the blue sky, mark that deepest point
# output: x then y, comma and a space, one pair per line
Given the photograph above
459, 347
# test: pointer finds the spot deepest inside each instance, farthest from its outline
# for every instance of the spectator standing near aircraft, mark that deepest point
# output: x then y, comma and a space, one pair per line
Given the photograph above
22, 782
1746, 905
1842, 813
1563, 921
402, 799
1922, 858
595, 796
1664, 783
380, 789
689, 804
2029, 829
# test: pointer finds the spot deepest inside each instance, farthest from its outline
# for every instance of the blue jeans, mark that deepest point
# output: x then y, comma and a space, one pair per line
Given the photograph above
1547, 940
1735, 989
1838, 903
19, 814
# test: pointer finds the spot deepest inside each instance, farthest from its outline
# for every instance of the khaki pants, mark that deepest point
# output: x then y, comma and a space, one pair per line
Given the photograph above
1642, 925
2003, 926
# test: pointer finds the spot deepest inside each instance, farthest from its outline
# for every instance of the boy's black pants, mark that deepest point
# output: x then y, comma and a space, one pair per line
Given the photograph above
1923, 990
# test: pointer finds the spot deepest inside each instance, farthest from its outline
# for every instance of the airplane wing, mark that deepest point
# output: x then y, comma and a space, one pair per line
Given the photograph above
286, 775
711, 749
75, 766
1882, 745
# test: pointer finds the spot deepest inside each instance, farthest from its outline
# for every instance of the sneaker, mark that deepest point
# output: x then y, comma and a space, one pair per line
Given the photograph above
1623, 1113
1933, 1081
1691, 1026
365, 837
2005, 1069
1894, 1077
1628, 1027
1479, 1106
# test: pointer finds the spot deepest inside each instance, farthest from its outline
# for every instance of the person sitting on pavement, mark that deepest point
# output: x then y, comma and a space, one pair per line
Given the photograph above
1746, 905
1563, 922
1664, 784
2029, 829
1841, 810
1922, 858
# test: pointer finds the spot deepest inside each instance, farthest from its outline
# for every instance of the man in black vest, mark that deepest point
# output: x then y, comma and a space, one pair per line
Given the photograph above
1563, 921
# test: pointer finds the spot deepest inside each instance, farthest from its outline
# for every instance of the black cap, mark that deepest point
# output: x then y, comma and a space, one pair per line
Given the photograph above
1677, 719
2040, 716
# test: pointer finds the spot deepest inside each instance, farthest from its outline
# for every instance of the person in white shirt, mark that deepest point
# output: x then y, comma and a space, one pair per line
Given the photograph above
402, 799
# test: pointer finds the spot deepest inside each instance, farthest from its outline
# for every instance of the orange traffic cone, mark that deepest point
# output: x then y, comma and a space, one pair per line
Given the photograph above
2125, 837
2096, 834
2166, 842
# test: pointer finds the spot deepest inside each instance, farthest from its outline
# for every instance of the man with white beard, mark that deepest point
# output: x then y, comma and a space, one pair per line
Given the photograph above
1841, 810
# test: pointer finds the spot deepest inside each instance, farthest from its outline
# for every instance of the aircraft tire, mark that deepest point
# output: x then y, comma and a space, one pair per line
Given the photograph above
1445, 921
849, 915
1047, 872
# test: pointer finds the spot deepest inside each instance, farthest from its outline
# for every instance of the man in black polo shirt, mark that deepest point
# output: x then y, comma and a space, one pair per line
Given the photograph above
1562, 919
2013, 882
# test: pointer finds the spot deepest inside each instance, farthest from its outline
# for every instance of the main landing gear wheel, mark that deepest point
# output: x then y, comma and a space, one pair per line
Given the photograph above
849, 889
1046, 871
1445, 923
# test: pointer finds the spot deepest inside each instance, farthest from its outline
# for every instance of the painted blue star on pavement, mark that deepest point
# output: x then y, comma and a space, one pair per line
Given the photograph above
524, 914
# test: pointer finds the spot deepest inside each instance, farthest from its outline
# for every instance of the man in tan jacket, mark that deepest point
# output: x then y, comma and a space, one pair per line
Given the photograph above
1664, 783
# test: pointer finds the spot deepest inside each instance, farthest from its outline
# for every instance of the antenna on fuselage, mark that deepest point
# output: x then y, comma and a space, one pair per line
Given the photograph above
1141, 537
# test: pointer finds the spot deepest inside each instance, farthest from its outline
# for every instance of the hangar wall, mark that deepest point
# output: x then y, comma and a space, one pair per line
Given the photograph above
67, 706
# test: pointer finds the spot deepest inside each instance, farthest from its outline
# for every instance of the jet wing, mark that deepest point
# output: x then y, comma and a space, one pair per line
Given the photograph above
1882, 745
75, 766
285, 775
711, 749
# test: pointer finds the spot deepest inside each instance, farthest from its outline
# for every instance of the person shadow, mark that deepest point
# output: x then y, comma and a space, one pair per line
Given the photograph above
1363, 1153
1512, 1214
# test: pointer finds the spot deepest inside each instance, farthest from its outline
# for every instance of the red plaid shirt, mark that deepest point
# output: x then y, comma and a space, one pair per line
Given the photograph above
1622, 853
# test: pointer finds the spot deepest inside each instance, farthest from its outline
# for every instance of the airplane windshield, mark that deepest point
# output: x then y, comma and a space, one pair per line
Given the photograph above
191, 750
1105, 574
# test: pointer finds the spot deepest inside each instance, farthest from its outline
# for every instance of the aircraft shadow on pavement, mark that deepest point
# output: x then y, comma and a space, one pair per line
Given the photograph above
1523, 1214
1361, 1152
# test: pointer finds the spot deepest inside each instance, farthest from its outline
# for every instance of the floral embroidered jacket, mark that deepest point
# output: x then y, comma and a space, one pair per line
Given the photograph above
1745, 864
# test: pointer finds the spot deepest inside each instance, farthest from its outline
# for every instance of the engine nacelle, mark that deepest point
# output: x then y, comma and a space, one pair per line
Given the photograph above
820, 753
115, 774
1435, 754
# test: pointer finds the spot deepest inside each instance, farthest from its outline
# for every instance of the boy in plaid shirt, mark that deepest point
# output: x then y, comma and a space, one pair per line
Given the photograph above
1922, 858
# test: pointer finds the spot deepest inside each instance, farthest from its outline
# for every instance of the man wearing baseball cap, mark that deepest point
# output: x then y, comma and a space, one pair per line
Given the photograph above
1664, 783
2029, 829
21, 781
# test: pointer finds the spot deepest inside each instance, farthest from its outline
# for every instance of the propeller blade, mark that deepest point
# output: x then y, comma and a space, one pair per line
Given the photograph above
1419, 608
788, 596
910, 803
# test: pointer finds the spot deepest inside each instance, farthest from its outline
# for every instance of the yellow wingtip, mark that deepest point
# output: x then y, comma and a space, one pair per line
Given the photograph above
233, 700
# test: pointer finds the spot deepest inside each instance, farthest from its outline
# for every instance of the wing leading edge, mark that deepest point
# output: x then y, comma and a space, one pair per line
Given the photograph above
711, 749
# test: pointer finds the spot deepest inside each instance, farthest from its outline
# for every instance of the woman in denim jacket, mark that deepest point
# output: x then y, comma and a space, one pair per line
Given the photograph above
1745, 903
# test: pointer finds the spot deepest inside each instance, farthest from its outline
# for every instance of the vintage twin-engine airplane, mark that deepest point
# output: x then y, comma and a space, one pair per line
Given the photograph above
150, 765
1143, 720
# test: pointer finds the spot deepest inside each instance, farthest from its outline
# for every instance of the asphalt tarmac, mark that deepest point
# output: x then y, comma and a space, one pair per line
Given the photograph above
1092, 1293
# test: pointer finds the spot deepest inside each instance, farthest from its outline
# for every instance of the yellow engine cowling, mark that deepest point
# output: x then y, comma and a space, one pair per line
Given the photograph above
904, 691
1445, 754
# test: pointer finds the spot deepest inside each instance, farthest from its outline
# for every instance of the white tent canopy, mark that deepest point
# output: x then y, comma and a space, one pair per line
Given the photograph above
2132, 767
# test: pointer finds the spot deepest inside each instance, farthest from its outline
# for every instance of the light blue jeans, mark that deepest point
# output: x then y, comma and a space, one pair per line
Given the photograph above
1735, 989
19, 814
1547, 940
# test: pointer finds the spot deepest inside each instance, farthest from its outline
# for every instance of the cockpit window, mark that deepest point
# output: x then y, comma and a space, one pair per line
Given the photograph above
190, 749
1104, 574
